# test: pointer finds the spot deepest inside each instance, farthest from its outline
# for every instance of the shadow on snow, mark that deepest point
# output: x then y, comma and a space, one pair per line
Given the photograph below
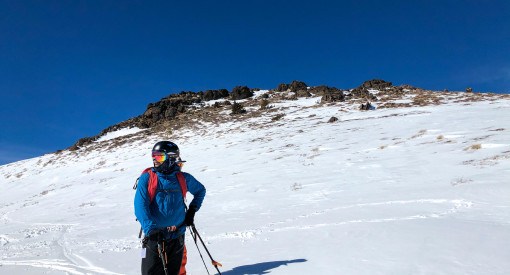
260, 268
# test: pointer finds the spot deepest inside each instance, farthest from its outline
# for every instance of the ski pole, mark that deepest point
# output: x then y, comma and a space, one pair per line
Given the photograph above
214, 263
162, 252
194, 236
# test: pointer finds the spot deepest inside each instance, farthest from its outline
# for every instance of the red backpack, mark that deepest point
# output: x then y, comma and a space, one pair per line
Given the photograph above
153, 183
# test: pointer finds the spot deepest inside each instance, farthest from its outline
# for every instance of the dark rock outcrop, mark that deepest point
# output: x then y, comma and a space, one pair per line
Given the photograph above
241, 92
366, 106
297, 86
166, 109
214, 94
329, 94
303, 93
407, 86
377, 84
170, 107
332, 119
81, 142
282, 87
294, 87
237, 108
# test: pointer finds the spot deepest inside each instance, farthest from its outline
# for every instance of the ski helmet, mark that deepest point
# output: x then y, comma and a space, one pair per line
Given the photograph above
167, 147
170, 159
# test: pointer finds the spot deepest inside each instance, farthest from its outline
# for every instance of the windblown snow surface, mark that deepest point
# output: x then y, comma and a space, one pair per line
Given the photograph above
418, 190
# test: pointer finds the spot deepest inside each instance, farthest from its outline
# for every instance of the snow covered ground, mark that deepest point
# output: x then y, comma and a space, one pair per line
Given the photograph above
420, 190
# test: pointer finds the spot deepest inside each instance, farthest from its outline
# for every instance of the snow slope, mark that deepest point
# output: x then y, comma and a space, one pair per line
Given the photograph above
419, 190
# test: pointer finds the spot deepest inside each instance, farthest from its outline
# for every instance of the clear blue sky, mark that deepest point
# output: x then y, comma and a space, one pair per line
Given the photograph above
69, 69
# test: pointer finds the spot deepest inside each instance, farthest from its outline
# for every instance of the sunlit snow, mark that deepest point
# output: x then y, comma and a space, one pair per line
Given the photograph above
119, 133
419, 190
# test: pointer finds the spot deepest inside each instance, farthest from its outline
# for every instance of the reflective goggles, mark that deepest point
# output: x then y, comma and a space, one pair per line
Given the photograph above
162, 156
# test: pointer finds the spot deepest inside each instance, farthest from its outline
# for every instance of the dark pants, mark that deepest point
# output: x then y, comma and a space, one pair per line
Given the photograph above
152, 263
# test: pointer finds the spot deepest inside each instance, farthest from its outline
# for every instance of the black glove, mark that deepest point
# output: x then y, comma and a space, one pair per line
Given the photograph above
190, 215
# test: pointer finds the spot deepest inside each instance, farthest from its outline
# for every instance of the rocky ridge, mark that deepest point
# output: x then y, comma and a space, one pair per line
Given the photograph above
180, 110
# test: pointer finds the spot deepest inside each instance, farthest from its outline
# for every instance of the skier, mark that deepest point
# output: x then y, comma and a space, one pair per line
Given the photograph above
161, 210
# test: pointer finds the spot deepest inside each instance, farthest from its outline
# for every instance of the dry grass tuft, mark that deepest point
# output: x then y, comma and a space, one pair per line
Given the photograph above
419, 134
426, 98
277, 117
264, 104
477, 146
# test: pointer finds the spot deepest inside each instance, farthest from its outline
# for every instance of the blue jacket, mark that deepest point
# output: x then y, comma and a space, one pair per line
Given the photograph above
167, 208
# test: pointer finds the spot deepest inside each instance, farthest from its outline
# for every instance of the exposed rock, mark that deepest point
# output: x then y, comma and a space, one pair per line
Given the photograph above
469, 90
282, 87
395, 91
407, 86
241, 92
170, 107
366, 106
171, 112
303, 93
81, 142
296, 86
237, 108
214, 94
165, 109
323, 90
362, 92
329, 94
333, 119
377, 84
333, 97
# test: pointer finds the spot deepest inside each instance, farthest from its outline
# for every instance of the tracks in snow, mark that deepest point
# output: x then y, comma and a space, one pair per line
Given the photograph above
46, 246
57, 265
364, 213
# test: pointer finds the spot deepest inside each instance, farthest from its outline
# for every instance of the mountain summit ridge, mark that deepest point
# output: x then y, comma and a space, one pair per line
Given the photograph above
176, 110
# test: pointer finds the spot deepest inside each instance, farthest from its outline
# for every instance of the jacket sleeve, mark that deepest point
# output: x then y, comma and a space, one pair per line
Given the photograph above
197, 189
142, 204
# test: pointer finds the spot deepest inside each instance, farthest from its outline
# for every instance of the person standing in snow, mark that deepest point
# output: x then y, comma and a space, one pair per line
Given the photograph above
161, 210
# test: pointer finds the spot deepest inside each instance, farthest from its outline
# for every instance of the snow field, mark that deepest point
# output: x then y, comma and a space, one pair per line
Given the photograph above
392, 191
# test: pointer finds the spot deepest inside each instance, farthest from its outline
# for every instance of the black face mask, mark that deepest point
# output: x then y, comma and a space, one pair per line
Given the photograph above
167, 167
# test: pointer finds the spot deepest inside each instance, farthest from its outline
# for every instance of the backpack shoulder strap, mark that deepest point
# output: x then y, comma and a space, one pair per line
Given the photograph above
153, 183
182, 183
